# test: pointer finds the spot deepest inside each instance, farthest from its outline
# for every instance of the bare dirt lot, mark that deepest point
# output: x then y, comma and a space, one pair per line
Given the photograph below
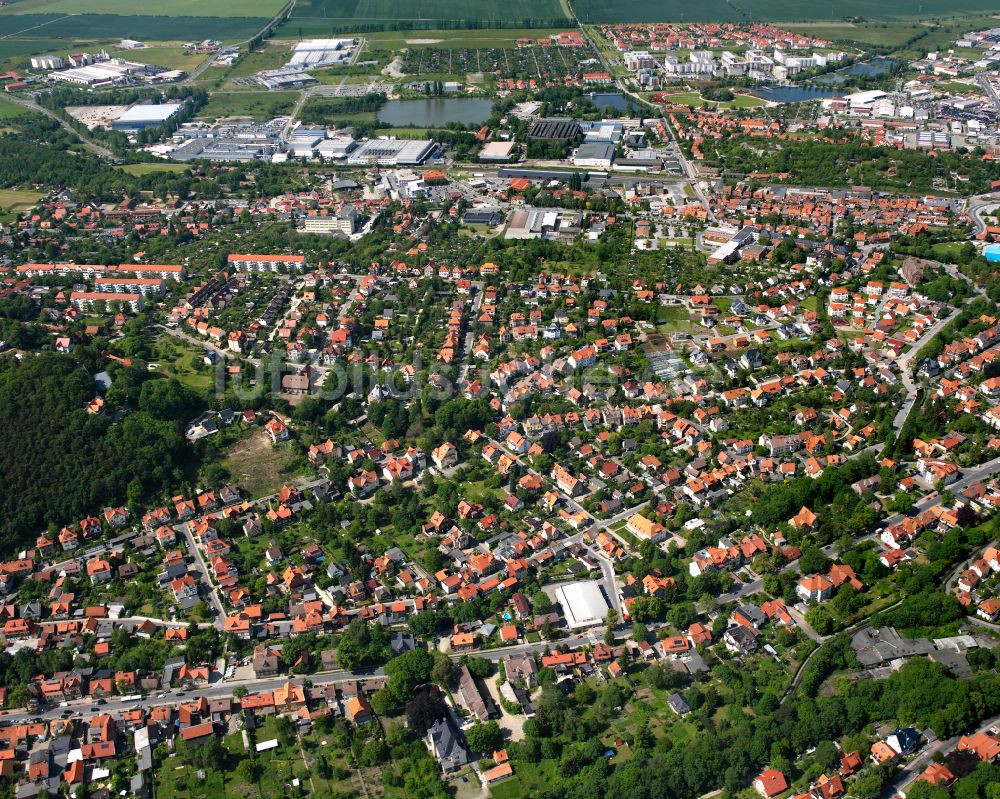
260, 468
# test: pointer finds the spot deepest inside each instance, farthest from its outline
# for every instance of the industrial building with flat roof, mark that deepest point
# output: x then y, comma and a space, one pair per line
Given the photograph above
146, 115
555, 130
544, 223
392, 152
312, 53
496, 151
596, 154
115, 71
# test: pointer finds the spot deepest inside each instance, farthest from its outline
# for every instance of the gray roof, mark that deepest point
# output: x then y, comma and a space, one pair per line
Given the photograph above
596, 149
444, 740
678, 704
877, 645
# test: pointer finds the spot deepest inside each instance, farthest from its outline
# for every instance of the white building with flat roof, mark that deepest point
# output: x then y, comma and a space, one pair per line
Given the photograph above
392, 152
312, 53
583, 603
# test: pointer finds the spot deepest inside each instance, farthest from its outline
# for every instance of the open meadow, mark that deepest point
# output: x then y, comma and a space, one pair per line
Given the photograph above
257, 105
18, 200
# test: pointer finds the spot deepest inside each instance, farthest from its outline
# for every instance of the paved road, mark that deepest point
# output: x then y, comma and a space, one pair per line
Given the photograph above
905, 372
469, 340
977, 207
204, 576
607, 569
987, 86
219, 689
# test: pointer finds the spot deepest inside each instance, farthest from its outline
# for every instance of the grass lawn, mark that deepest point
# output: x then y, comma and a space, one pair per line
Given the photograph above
509, 788
684, 98
147, 169
258, 105
811, 303
947, 250
407, 133
744, 101
674, 319
175, 780
478, 491
528, 780
273, 55
9, 110
957, 87
260, 468
625, 535
183, 361
695, 99
169, 8
18, 200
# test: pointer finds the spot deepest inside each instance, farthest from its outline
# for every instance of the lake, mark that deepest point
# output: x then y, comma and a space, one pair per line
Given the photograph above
867, 69
435, 112
791, 94
611, 100
877, 66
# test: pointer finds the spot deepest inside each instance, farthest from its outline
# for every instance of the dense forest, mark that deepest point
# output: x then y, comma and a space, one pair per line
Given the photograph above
59, 463
43, 153
855, 163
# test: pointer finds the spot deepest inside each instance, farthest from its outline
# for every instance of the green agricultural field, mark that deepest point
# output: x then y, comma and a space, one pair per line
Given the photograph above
593, 11
172, 56
81, 28
13, 51
149, 169
168, 8
331, 12
257, 105
887, 34
453, 40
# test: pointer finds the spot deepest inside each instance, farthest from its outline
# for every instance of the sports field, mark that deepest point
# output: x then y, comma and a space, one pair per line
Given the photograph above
165, 8
340, 11
593, 11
